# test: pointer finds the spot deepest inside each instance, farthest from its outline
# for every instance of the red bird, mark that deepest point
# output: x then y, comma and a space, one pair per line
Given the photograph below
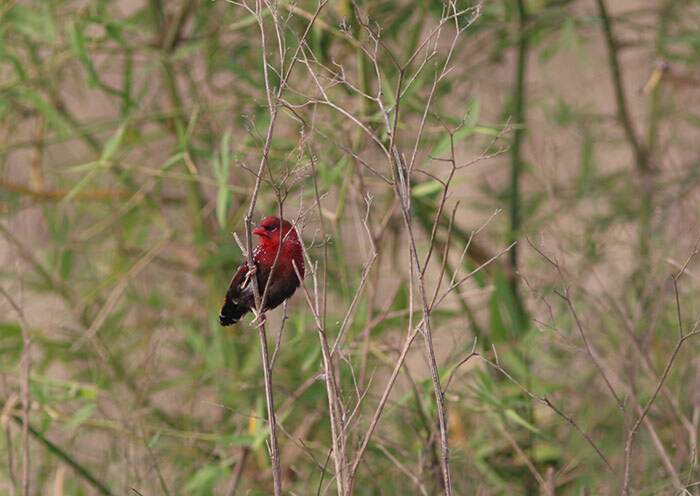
240, 298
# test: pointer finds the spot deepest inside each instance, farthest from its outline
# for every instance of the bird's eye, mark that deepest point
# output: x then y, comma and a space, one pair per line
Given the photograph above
271, 227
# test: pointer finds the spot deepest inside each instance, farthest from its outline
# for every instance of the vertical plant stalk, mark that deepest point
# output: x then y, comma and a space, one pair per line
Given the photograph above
382, 403
516, 207
639, 149
273, 97
329, 371
519, 116
682, 338
401, 175
623, 113
267, 372
26, 404
402, 188
170, 33
332, 389
641, 156
8, 406
25, 398
238, 472
519, 122
427, 332
334, 409
269, 400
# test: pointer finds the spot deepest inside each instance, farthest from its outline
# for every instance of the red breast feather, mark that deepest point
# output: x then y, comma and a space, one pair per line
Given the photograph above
240, 298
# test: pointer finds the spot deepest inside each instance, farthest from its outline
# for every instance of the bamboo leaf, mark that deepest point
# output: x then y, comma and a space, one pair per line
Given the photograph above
221, 166
36, 22
77, 42
515, 417
113, 144
80, 416
110, 149
427, 188
54, 118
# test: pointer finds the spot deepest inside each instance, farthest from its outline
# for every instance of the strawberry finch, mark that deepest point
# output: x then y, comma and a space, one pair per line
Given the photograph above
240, 298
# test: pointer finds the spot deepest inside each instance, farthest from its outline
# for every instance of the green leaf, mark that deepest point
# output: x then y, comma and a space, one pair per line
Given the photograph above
247, 21
204, 480
77, 42
80, 416
571, 40
54, 118
86, 392
515, 417
154, 440
10, 338
222, 197
311, 358
221, 166
504, 299
546, 453
66, 263
16, 64
587, 174
236, 440
471, 117
34, 22
427, 188
499, 333
108, 152
113, 144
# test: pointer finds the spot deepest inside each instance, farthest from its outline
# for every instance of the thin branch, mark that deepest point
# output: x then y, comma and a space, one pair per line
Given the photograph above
638, 422
403, 469
26, 366
272, 99
79, 469
338, 438
620, 98
238, 471
382, 403
546, 401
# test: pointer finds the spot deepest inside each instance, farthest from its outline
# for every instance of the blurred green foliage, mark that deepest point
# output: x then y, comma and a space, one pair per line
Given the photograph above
130, 131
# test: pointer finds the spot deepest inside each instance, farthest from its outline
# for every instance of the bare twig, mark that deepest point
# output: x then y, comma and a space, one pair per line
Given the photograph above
594, 356
530, 466
118, 291
663, 454
334, 408
79, 469
642, 415
382, 402
26, 366
273, 97
621, 100
407, 472
546, 401
5, 416
238, 472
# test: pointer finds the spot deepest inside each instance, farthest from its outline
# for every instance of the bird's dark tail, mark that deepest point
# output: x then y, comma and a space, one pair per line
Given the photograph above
231, 313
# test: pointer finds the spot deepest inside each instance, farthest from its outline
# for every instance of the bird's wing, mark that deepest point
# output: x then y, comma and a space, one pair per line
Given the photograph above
239, 297
240, 291
238, 278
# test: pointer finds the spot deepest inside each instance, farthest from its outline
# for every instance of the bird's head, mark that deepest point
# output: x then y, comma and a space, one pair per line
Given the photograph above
272, 229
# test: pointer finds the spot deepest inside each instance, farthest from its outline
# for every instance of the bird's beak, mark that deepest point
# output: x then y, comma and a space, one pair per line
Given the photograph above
260, 231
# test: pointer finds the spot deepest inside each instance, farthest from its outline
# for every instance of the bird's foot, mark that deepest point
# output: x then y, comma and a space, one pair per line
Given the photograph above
251, 272
259, 319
